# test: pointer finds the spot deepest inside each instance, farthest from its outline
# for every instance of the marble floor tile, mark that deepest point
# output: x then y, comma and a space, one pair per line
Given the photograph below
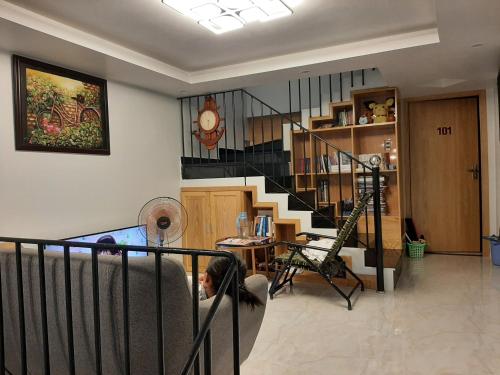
443, 319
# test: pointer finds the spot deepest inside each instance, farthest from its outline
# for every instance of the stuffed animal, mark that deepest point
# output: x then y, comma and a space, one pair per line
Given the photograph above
381, 111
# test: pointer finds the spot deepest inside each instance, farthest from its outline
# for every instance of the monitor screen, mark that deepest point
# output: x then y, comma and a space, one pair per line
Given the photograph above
124, 236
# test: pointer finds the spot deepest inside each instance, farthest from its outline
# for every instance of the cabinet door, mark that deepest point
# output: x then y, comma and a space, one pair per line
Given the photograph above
225, 206
198, 234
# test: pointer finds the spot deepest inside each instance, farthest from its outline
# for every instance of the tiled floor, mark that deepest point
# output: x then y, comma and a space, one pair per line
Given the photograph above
444, 318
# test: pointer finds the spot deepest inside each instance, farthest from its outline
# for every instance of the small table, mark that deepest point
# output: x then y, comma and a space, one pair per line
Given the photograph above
252, 249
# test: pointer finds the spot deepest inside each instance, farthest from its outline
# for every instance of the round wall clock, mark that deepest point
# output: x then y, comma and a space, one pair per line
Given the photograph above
208, 122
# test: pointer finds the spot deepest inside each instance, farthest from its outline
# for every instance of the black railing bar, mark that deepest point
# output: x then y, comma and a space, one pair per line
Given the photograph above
69, 310
300, 102
208, 353
20, 301
330, 86
253, 130
291, 132
352, 78
340, 188
234, 128
97, 312
43, 311
362, 77
125, 302
225, 123
353, 193
208, 94
236, 323
282, 168
262, 133
272, 143
210, 315
316, 173
328, 177
341, 87
196, 303
125, 248
159, 314
320, 97
306, 173
243, 126
310, 99
198, 113
307, 130
182, 129
191, 128
366, 208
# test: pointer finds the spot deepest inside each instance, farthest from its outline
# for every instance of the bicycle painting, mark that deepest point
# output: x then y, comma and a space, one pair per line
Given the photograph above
59, 110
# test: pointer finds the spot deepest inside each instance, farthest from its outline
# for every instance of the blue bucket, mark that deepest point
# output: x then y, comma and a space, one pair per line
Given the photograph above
495, 252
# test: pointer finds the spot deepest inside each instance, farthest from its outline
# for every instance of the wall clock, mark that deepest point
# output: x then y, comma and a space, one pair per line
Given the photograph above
208, 122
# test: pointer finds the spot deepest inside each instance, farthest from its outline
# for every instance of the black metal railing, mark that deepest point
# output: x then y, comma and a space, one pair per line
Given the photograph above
321, 176
201, 333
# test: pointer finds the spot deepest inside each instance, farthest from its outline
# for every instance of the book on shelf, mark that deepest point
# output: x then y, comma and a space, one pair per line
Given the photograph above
344, 118
263, 226
303, 165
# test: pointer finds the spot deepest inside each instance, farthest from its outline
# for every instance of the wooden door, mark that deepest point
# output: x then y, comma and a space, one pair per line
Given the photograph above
445, 173
198, 234
225, 206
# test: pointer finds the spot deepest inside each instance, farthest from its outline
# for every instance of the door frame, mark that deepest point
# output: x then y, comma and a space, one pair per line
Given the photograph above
483, 148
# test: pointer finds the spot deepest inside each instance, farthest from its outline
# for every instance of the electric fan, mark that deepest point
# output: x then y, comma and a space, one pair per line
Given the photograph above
162, 220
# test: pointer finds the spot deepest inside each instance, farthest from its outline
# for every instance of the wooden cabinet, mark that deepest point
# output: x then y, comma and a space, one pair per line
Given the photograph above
211, 216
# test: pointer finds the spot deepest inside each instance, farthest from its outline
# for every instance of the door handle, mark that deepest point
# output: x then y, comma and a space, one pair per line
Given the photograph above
476, 172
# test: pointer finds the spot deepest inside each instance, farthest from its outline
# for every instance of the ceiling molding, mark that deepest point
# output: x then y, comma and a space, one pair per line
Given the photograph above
70, 34
321, 55
37, 22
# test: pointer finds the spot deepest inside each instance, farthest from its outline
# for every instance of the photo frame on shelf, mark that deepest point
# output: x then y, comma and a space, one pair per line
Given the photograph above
59, 110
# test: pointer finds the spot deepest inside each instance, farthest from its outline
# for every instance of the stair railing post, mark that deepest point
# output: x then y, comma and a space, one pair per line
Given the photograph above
377, 219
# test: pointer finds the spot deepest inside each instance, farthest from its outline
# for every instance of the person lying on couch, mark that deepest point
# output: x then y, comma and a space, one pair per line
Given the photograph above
214, 274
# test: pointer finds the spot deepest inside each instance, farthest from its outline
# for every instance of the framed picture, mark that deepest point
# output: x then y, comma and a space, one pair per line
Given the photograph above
59, 110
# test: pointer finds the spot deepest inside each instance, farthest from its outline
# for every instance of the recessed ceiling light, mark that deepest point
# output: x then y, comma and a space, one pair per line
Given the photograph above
220, 16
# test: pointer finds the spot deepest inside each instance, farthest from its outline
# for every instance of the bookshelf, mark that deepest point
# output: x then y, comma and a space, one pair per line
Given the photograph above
317, 165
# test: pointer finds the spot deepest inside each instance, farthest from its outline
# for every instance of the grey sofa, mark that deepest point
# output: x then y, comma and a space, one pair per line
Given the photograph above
177, 313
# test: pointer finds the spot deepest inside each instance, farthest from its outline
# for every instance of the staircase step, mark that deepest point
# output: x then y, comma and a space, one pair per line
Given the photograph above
302, 202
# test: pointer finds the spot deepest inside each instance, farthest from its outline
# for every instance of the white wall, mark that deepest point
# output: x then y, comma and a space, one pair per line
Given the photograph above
54, 195
276, 95
494, 158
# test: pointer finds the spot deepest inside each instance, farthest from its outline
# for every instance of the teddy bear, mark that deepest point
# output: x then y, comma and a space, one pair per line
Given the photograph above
381, 111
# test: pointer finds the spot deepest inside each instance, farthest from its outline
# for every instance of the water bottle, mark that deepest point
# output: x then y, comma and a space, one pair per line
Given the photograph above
242, 225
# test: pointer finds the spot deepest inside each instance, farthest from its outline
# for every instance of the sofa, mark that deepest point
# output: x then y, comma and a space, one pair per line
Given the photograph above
177, 315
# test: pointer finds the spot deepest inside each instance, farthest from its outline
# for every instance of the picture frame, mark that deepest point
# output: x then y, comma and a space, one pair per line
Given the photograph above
58, 109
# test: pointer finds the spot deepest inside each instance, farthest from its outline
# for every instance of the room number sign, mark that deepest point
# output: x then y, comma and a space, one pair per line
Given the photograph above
444, 130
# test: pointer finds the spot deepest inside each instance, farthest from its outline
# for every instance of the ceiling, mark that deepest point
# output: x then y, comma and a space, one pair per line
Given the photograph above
150, 27
421, 46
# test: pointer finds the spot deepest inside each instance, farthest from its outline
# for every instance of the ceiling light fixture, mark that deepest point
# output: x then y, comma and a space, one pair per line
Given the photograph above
220, 16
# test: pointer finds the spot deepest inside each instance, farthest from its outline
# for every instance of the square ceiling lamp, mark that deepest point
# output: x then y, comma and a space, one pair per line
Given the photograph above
220, 16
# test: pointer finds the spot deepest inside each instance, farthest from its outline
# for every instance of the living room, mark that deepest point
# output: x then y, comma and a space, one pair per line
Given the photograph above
369, 129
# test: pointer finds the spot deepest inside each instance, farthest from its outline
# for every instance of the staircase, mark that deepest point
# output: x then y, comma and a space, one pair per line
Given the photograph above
265, 167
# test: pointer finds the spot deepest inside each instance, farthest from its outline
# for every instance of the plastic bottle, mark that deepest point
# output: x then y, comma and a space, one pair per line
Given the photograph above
242, 225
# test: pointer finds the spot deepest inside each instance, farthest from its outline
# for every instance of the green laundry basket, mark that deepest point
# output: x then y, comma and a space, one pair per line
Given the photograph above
416, 249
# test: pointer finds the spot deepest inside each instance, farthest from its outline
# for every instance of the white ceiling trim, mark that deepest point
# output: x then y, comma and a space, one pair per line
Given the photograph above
35, 21
70, 34
321, 55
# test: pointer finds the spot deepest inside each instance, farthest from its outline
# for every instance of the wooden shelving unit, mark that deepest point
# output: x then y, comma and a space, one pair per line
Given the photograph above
372, 138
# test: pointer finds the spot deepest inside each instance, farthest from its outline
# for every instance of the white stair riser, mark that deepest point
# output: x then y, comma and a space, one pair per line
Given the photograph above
357, 254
